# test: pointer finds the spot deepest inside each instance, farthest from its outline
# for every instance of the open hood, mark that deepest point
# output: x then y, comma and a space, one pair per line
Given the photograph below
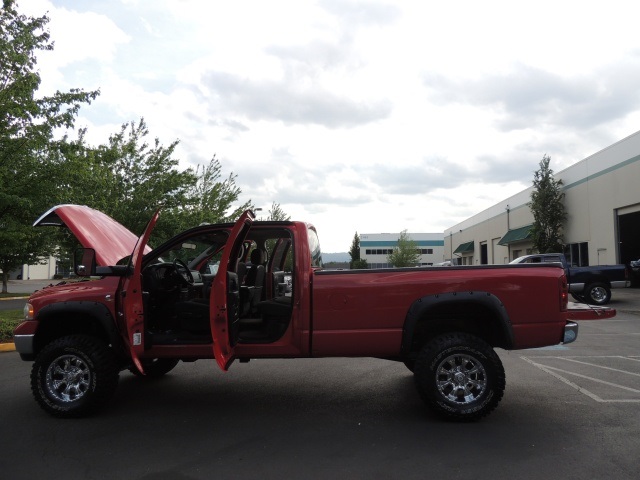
93, 229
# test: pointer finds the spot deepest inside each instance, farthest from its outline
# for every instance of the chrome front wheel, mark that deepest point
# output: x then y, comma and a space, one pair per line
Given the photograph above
73, 376
68, 378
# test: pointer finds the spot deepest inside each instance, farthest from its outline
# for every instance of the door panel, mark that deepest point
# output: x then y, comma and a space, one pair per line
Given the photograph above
225, 294
132, 297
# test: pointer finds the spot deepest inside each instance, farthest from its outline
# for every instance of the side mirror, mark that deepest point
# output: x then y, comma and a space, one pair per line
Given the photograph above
85, 262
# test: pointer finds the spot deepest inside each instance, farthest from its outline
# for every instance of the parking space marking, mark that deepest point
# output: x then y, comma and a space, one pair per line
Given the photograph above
567, 359
552, 371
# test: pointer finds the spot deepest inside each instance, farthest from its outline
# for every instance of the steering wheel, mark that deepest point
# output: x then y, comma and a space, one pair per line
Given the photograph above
183, 272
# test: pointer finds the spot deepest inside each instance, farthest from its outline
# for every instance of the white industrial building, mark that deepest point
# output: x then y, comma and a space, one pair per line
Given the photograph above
375, 247
602, 201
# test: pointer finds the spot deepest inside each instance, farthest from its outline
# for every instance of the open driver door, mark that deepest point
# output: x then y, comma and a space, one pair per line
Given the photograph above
132, 302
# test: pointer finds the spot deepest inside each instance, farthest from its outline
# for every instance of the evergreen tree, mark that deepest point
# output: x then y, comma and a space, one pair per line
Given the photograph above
277, 213
356, 262
547, 207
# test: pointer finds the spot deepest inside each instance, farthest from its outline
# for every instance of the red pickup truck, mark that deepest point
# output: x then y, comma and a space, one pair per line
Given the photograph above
257, 289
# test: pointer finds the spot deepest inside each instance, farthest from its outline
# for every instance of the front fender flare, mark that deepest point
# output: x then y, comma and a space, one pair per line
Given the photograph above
95, 310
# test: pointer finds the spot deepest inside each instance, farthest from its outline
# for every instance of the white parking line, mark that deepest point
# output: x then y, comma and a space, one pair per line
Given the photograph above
550, 371
600, 366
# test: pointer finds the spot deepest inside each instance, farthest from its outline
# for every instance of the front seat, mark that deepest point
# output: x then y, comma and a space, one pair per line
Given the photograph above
254, 279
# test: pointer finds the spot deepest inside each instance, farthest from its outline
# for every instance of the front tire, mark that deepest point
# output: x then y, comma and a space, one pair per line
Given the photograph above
74, 376
460, 377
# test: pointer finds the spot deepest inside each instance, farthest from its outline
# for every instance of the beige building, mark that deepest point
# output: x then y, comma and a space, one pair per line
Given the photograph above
602, 200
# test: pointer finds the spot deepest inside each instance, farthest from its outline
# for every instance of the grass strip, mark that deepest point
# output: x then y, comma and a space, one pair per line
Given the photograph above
9, 319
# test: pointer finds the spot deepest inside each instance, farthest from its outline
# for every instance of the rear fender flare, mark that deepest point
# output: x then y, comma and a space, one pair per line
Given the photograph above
419, 310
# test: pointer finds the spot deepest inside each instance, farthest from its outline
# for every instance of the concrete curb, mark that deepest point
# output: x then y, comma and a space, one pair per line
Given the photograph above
7, 347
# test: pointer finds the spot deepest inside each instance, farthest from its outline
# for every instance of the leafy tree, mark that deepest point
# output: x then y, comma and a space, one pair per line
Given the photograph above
547, 206
354, 252
405, 254
211, 199
128, 180
27, 127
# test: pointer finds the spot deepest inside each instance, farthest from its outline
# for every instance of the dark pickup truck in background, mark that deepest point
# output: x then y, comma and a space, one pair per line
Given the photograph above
591, 284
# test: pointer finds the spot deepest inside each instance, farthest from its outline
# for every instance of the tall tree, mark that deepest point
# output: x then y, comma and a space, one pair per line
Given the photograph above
405, 254
547, 207
27, 126
277, 213
211, 199
354, 252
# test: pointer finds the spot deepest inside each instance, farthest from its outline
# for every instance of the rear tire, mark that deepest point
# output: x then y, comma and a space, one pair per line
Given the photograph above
156, 367
597, 293
460, 377
74, 376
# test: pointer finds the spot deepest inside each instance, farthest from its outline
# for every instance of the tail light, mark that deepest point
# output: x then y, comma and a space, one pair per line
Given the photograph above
564, 293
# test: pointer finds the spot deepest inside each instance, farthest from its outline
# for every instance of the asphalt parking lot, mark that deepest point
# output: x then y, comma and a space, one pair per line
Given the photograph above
604, 364
570, 412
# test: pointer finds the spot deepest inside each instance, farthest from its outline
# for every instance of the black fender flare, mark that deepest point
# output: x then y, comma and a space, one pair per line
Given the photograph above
96, 310
419, 310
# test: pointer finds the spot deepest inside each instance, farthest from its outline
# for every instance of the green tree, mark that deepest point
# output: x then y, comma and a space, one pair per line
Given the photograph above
547, 207
277, 213
210, 199
128, 179
27, 127
356, 262
405, 254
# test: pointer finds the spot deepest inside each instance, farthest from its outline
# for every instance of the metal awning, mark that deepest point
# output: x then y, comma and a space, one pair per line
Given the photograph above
516, 235
464, 248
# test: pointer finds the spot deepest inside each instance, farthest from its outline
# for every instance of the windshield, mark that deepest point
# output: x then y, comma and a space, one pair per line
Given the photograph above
200, 252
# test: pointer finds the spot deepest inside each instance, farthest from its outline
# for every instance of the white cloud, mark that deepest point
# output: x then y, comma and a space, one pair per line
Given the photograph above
358, 115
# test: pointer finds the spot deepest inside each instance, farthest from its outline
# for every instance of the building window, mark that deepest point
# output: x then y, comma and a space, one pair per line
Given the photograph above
379, 251
577, 254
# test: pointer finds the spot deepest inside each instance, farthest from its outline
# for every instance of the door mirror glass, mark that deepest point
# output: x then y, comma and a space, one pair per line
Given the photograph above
85, 262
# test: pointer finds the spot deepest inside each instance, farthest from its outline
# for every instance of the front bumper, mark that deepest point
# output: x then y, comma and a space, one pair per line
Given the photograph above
24, 346
24, 339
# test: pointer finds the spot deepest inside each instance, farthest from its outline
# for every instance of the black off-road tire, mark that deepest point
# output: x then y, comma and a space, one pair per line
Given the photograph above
410, 364
460, 377
155, 368
579, 298
74, 376
597, 293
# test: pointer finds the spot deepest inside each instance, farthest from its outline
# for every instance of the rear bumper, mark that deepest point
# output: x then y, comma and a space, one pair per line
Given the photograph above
570, 332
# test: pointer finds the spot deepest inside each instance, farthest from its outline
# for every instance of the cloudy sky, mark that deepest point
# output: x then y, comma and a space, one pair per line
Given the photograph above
367, 116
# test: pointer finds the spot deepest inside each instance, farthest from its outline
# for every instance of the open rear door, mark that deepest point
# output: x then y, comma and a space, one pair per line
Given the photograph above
225, 294
132, 297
